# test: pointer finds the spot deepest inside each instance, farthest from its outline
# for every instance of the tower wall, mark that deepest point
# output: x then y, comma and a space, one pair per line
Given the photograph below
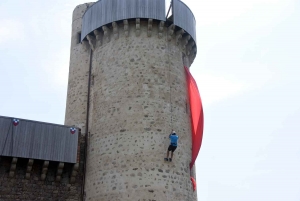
130, 119
138, 96
76, 107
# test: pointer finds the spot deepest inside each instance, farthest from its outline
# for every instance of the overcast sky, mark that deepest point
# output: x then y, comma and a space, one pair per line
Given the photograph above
247, 69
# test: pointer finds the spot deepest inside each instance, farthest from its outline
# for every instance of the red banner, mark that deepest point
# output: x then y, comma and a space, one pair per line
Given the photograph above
196, 114
194, 183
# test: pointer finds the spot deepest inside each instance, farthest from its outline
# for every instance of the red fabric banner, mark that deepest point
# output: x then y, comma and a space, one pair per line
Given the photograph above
196, 114
194, 183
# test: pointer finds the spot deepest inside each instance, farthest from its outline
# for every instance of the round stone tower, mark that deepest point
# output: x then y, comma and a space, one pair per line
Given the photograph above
127, 91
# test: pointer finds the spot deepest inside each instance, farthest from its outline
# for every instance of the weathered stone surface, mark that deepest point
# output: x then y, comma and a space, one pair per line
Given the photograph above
138, 95
34, 188
78, 73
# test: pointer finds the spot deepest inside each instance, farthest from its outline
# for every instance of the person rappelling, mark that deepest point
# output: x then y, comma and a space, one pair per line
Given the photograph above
173, 145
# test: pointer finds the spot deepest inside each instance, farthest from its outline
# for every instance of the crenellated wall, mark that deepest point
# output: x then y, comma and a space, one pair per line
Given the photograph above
165, 32
27, 179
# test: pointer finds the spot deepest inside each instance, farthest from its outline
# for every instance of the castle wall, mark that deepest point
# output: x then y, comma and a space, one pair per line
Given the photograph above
35, 188
130, 119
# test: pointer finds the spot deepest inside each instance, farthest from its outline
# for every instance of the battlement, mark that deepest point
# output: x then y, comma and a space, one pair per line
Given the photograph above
105, 20
166, 31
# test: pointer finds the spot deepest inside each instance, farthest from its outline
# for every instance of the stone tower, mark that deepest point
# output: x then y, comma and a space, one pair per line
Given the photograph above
127, 92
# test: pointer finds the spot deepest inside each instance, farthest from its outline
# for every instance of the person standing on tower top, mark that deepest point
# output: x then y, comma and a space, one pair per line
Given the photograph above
173, 145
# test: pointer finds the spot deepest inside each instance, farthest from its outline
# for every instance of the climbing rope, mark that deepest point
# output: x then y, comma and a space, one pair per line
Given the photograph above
170, 83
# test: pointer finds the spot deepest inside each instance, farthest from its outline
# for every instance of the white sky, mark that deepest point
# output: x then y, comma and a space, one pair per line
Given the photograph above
247, 69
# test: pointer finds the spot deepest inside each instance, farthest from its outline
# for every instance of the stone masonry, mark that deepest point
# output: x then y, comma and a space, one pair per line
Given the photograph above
78, 74
138, 96
23, 188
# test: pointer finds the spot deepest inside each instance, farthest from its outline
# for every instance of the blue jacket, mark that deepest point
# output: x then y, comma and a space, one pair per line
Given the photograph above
173, 140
